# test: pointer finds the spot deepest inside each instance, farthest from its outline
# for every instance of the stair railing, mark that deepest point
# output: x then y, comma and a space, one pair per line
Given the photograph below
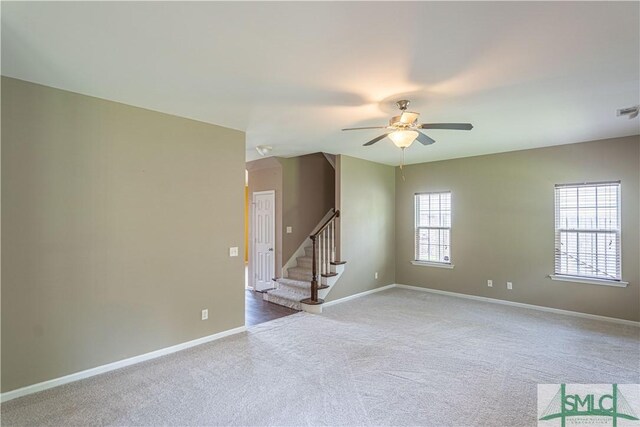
323, 242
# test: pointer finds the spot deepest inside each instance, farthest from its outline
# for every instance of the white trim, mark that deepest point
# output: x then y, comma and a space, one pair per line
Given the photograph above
45, 385
617, 231
523, 305
34, 388
432, 264
252, 245
429, 263
591, 281
311, 308
361, 294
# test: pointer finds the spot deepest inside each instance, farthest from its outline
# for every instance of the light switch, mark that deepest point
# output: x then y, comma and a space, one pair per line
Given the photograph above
233, 251
289, 230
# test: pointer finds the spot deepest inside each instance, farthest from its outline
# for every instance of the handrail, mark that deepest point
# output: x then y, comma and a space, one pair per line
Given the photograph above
336, 214
325, 256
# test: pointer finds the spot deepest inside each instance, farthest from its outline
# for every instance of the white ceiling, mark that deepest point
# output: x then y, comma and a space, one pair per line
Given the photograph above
292, 74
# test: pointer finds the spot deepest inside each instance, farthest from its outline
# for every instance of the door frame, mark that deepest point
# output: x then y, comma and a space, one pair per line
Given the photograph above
252, 243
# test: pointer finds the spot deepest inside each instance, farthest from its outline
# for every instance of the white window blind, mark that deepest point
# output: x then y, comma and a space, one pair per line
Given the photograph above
587, 241
433, 227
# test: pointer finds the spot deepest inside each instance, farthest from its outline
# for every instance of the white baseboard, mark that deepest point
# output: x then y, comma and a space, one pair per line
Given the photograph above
4, 397
361, 294
34, 388
523, 305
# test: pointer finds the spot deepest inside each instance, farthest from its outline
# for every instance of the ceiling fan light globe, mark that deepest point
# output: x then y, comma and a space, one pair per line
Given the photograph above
403, 138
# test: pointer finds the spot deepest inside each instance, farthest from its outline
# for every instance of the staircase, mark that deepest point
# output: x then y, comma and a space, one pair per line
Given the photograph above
301, 289
296, 286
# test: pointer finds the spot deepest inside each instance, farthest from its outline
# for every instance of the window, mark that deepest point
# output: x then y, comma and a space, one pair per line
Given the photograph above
433, 227
587, 242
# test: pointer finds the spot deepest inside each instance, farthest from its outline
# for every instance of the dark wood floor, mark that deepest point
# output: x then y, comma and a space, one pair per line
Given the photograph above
258, 310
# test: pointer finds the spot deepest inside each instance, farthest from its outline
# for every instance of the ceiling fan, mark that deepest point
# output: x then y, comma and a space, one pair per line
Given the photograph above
404, 129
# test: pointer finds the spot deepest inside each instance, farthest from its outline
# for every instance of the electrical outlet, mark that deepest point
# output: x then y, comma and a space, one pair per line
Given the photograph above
490, 283
289, 230
509, 285
233, 251
205, 314
375, 275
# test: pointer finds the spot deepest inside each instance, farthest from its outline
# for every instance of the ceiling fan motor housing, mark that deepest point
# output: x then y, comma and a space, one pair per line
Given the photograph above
409, 120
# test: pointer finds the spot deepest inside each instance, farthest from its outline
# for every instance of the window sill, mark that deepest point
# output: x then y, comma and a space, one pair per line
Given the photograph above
432, 264
602, 282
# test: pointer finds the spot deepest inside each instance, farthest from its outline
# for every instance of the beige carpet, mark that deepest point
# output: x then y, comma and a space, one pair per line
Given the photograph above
397, 357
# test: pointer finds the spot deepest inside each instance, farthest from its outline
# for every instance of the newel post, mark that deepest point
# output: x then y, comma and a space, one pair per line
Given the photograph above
314, 271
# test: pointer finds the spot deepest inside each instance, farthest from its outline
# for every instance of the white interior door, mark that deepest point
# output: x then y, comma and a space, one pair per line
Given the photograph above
264, 224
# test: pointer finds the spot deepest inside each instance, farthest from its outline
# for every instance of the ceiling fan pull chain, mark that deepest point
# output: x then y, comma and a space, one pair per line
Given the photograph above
402, 164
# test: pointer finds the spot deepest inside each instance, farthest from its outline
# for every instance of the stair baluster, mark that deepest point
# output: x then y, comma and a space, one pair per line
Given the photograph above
324, 245
332, 246
320, 253
333, 232
323, 253
328, 257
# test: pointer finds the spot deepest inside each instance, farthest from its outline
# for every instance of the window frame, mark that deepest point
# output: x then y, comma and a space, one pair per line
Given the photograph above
431, 263
558, 230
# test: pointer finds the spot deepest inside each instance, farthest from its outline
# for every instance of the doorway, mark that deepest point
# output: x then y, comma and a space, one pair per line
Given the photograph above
263, 222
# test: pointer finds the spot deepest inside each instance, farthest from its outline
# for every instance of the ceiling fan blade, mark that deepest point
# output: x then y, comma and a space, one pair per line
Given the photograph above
370, 127
424, 139
452, 126
374, 140
408, 117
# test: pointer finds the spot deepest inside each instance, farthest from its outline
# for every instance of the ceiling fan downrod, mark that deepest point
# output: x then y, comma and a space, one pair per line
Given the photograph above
403, 104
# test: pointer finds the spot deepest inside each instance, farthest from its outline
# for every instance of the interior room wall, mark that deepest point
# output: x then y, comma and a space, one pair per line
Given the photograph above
503, 224
366, 199
265, 175
117, 223
308, 194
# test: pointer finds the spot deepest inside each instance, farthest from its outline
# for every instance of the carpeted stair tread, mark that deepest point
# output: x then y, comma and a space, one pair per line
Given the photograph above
302, 284
300, 273
304, 270
305, 261
297, 285
302, 288
284, 297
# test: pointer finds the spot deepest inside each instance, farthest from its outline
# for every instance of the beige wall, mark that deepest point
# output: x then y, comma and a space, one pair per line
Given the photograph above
265, 175
367, 217
117, 223
309, 193
503, 224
